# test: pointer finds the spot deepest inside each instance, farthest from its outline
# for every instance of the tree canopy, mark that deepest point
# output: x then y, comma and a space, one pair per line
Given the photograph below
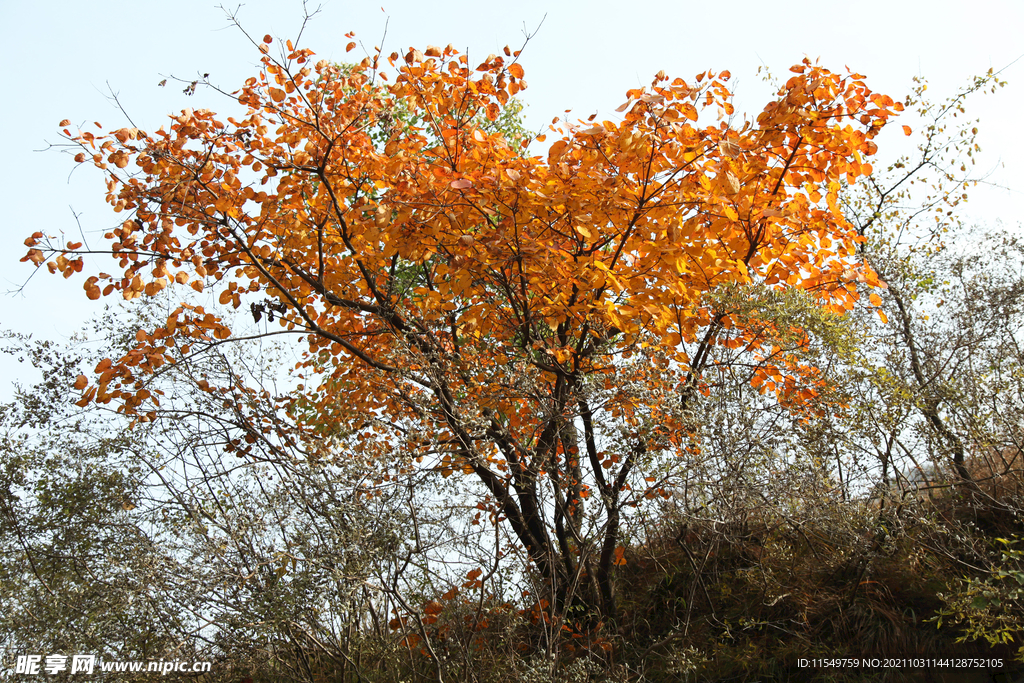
539, 323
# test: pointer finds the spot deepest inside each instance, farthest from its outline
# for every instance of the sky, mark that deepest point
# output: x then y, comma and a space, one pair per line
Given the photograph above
65, 59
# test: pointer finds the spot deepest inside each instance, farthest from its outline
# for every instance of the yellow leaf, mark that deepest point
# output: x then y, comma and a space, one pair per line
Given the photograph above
732, 182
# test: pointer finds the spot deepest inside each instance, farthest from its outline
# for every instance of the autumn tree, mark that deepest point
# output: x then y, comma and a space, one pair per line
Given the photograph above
541, 325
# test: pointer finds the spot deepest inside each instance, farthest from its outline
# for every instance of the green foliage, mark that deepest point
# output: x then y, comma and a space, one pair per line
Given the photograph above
989, 607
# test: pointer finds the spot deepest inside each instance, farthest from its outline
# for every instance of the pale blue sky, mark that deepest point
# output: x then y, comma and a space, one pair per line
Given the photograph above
62, 54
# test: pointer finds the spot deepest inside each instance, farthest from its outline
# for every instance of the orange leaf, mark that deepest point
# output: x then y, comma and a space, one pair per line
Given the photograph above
906, 130
557, 150
349, 47
515, 70
80, 382
91, 290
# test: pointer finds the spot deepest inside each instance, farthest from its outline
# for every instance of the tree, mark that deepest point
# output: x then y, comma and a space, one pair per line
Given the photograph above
540, 324
79, 569
148, 544
940, 383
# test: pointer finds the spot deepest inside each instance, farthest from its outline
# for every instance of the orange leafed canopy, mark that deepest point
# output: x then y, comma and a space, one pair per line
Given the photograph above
479, 296
400, 245
623, 225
